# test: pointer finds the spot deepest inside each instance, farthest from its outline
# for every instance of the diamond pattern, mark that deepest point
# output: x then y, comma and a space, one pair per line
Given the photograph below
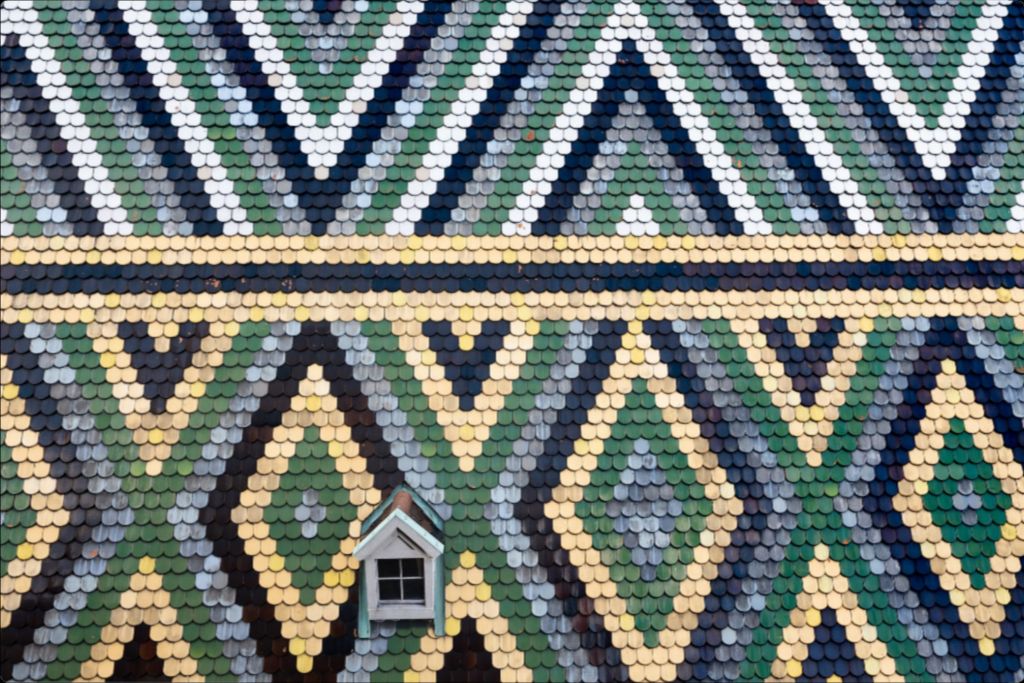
964, 516
677, 516
635, 510
637, 628
698, 324
959, 579
315, 577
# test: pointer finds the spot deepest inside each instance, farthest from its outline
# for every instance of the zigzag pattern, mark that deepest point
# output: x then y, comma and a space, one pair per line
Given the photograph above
660, 512
408, 117
699, 323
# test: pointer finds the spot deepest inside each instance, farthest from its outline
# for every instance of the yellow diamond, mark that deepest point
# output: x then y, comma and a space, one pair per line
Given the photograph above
952, 399
637, 360
43, 499
297, 618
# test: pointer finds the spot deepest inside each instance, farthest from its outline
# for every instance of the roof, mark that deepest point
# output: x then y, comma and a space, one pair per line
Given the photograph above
699, 325
415, 509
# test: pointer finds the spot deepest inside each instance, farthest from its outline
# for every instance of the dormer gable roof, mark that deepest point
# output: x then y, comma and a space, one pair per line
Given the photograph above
403, 512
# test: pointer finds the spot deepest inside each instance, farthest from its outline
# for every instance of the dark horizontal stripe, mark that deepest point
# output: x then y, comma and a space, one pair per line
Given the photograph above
503, 278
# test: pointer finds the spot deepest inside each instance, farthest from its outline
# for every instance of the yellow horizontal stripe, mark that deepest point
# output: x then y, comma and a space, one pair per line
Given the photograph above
452, 249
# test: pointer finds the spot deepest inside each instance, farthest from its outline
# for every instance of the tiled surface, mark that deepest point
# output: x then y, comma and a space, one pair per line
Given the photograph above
639, 485
312, 117
700, 324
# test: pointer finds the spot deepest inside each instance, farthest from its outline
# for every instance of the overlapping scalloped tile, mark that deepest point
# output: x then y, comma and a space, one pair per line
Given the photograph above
701, 324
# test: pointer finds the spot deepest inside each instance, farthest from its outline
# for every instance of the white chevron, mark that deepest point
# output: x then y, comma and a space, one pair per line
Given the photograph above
455, 126
790, 98
637, 219
322, 145
935, 146
1016, 222
21, 19
628, 22
6, 227
186, 119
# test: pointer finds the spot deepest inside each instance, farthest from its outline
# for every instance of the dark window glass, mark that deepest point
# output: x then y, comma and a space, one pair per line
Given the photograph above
387, 569
413, 589
391, 589
401, 580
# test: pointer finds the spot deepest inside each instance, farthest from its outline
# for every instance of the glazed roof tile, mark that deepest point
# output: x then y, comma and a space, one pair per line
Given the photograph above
699, 324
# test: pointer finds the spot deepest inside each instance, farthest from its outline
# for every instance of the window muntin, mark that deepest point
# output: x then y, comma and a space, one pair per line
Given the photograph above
401, 581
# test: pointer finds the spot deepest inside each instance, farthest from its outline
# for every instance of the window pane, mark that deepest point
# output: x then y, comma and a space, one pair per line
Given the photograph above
401, 581
391, 589
389, 568
413, 589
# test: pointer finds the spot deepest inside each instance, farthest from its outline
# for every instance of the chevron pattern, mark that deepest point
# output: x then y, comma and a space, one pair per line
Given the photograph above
699, 324
270, 117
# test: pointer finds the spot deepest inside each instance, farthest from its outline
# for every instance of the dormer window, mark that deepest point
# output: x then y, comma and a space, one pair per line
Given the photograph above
398, 583
401, 569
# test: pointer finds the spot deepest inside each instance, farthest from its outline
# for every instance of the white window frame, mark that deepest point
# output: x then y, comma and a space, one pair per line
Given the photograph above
398, 537
396, 609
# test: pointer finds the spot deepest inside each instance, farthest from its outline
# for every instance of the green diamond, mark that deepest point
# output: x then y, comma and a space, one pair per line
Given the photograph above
644, 510
967, 502
309, 513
